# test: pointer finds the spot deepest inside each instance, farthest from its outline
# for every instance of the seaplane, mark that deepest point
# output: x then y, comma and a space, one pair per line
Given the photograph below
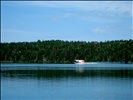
76, 61
79, 61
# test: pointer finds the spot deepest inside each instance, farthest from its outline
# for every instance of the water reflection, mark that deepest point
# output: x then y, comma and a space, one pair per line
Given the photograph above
66, 82
60, 71
79, 72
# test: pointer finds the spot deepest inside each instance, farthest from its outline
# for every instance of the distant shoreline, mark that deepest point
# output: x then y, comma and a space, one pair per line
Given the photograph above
10, 62
58, 51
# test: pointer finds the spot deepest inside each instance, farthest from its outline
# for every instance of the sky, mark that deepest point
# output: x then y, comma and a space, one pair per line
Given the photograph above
29, 21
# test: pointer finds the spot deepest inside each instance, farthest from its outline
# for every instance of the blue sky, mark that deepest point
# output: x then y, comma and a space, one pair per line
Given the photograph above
66, 20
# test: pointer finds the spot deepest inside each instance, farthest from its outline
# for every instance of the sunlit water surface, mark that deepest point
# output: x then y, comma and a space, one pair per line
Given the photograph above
101, 81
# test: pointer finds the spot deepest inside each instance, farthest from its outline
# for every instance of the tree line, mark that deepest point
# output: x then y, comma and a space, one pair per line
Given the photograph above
59, 51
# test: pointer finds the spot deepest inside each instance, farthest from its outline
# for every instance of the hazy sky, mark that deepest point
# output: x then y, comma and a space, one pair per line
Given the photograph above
66, 20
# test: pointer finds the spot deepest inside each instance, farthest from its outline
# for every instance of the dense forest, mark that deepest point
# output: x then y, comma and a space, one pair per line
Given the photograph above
58, 51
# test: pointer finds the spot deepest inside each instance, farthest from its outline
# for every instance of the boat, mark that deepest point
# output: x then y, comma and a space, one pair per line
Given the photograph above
76, 61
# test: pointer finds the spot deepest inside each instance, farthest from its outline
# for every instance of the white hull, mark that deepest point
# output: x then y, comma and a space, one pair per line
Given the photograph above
79, 62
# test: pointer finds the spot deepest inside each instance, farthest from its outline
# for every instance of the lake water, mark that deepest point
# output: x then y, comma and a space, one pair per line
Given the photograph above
97, 81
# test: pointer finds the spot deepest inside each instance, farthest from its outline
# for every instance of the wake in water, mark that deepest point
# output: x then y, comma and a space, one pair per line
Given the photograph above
91, 63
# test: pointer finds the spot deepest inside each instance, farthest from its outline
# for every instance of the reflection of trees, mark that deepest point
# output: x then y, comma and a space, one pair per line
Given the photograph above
66, 73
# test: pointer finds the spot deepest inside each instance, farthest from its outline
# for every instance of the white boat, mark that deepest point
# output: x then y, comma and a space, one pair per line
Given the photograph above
79, 61
76, 61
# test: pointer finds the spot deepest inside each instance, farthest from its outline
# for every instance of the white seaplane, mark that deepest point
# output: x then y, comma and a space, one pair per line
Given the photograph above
76, 61
79, 61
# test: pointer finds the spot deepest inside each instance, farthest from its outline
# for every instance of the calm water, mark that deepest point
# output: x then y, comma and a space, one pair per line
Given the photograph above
100, 81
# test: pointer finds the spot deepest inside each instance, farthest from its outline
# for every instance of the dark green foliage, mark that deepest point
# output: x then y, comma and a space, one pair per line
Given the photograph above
57, 51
